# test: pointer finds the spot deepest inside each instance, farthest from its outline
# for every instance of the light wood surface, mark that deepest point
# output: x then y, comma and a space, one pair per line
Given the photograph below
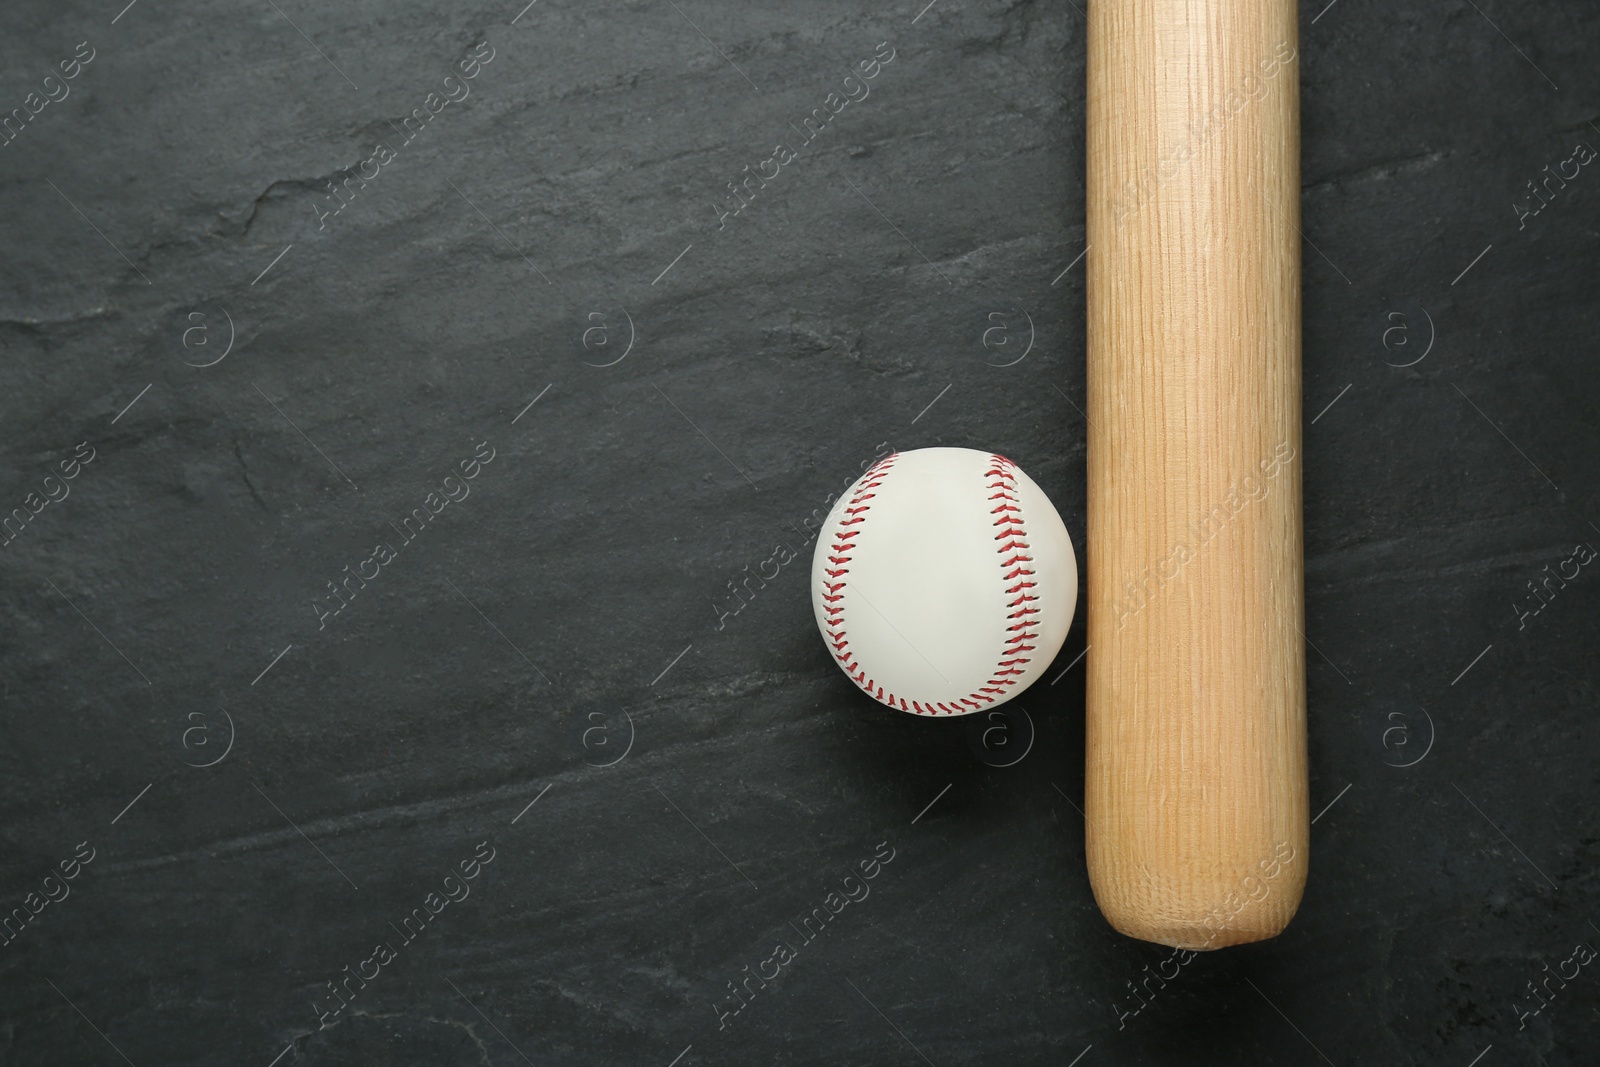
1196, 794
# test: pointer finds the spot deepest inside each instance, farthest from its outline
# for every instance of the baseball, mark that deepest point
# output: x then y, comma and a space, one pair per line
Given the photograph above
944, 581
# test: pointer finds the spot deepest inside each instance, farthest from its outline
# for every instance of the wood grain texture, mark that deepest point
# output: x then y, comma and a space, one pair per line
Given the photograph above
1196, 793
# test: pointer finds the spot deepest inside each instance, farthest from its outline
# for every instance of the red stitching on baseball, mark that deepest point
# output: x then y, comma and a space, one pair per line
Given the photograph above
842, 545
1015, 572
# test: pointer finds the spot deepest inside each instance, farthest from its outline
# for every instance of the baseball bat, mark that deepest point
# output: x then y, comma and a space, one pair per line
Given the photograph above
1195, 782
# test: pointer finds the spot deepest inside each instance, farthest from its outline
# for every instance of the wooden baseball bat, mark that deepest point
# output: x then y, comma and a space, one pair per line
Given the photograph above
1195, 792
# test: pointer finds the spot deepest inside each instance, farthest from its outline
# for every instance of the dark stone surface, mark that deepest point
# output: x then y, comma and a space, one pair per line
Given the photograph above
521, 641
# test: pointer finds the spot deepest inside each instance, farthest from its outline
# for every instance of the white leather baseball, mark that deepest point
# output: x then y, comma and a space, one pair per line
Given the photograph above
944, 581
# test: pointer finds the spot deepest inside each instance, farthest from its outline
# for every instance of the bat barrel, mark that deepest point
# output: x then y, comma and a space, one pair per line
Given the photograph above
1195, 789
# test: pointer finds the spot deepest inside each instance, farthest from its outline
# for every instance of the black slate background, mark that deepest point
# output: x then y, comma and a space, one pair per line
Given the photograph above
525, 639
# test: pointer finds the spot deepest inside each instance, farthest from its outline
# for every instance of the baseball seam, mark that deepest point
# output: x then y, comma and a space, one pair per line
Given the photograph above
1022, 616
